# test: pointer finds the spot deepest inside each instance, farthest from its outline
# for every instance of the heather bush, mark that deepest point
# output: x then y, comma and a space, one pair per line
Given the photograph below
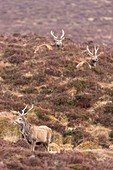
63, 98
111, 135
78, 136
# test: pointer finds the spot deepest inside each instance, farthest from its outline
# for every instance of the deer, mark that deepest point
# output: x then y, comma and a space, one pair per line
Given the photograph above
58, 40
93, 58
34, 135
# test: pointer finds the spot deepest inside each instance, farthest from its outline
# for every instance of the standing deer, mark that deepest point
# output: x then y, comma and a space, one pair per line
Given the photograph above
92, 60
33, 134
57, 40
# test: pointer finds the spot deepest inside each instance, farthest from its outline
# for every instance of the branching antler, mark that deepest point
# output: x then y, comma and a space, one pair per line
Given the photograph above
95, 51
23, 113
52, 33
58, 41
90, 53
63, 33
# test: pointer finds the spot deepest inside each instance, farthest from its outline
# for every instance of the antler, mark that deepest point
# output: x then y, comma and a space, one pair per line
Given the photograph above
90, 53
23, 113
96, 50
63, 33
52, 33
23, 110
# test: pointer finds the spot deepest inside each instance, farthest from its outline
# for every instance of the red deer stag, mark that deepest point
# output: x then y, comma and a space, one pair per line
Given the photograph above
92, 61
33, 134
57, 40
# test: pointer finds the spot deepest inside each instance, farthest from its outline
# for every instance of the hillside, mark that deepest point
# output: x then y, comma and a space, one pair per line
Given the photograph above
76, 103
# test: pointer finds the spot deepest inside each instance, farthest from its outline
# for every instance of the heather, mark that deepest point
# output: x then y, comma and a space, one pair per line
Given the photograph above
76, 103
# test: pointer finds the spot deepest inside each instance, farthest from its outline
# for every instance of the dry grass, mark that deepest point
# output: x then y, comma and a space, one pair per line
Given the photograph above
41, 47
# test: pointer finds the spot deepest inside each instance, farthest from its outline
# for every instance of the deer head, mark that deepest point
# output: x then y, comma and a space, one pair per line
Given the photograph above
22, 120
94, 56
58, 40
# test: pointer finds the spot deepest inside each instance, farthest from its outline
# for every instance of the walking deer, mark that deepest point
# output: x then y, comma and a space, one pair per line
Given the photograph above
57, 40
92, 60
34, 135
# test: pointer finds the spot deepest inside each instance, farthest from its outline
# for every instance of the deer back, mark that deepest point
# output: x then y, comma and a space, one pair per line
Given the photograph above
41, 133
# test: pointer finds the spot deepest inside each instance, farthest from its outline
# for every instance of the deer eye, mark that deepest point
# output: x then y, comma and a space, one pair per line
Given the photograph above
19, 119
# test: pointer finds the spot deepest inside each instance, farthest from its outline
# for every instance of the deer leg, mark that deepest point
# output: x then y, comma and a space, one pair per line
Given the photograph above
46, 146
33, 146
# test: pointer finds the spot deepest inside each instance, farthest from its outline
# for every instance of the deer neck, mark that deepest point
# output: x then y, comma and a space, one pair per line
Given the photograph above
25, 129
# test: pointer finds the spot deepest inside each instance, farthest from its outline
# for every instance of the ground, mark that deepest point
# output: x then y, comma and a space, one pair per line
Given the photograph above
76, 103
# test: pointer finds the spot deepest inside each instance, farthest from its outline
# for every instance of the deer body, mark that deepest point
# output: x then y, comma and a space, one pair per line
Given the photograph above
34, 134
38, 135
